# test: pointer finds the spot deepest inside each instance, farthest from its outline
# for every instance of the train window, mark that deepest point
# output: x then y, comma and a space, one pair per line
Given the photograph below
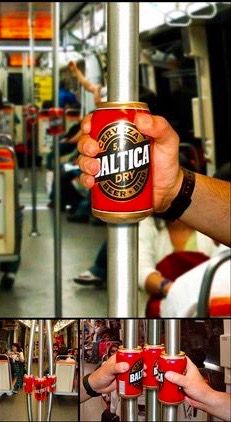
15, 88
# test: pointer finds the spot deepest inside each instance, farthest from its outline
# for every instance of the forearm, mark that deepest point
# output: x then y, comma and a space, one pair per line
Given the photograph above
89, 86
209, 211
220, 405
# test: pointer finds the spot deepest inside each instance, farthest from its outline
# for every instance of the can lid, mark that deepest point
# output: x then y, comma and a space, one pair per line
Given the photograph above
179, 355
123, 105
137, 349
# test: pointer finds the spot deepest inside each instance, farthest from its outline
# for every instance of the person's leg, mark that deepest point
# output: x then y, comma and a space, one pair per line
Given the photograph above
97, 273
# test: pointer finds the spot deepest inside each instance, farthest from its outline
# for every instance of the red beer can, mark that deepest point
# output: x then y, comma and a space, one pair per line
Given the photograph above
56, 120
40, 389
32, 114
129, 384
170, 393
123, 189
51, 383
28, 383
151, 355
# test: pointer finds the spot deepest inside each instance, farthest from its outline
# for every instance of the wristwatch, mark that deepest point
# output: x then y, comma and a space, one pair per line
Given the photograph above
90, 392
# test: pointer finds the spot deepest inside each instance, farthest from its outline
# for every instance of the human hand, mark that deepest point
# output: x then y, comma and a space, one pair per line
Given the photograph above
198, 393
167, 174
72, 66
103, 380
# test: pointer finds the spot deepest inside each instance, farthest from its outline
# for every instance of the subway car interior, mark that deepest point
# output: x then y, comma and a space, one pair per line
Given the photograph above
54, 259
203, 341
42, 351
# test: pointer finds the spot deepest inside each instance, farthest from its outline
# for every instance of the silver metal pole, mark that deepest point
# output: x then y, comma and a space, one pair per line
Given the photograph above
29, 368
172, 348
57, 216
50, 364
129, 407
152, 407
40, 364
122, 270
83, 340
34, 229
24, 116
200, 98
123, 49
31, 33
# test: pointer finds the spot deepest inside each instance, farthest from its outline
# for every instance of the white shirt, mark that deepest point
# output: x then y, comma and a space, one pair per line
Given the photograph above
155, 244
181, 300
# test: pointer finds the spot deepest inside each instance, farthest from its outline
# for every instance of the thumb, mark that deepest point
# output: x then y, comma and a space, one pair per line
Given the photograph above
121, 367
176, 378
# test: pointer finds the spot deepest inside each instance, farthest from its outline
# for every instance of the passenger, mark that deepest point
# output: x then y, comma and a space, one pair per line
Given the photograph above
67, 99
198, 393
16, 354
167, 184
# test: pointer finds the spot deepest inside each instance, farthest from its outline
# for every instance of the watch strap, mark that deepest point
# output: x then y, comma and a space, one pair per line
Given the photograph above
88, 388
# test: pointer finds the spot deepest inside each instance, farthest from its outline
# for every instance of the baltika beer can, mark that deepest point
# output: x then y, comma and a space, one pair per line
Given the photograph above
129, 384
40, 389
170, 393
151, 355
56, 121
28, 383
51, 383
123, 189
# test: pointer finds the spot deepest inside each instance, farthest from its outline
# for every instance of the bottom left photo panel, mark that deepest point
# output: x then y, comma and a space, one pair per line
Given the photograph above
39, 369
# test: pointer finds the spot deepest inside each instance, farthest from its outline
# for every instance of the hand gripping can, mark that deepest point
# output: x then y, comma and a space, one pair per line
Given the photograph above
28, 383
170, 393
123, 189
129, 384
151, 355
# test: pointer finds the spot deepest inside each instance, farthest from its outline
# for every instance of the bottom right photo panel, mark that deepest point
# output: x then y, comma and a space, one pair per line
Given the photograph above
155, 370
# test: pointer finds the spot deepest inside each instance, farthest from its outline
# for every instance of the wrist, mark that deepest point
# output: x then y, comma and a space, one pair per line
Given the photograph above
182, 199
88, 383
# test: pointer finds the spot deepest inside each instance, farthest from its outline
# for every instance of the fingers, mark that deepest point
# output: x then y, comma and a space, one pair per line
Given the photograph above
86, 124
156, 127
88, 146
117, 368
176, 378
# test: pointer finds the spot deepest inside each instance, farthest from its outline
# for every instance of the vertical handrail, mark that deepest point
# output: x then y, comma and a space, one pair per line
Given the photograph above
152, 406
123, 49
211, 269
57, 215
34, 228
50, 364
29, 368
129, 406
40, 363
172, 348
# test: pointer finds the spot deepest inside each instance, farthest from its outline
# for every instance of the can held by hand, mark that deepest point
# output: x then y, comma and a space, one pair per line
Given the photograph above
151, 355
123, 189
129, 384
170, 393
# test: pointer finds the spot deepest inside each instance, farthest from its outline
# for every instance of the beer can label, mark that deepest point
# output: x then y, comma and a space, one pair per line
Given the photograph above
122, 387
124, 161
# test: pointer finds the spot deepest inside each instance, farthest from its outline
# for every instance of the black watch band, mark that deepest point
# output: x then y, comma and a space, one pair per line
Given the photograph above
88, 388
182, 200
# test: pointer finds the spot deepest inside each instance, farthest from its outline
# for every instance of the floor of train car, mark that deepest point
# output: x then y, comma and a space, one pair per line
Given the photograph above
33, 291
14, 408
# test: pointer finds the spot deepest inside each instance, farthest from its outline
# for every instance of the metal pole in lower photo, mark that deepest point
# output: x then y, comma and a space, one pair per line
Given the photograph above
29, 368
129, 406
51, 364
57, 213
123, 49
40, 363
172, 348
152, 406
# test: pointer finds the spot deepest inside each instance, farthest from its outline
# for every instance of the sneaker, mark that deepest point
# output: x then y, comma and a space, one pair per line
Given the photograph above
87, 277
